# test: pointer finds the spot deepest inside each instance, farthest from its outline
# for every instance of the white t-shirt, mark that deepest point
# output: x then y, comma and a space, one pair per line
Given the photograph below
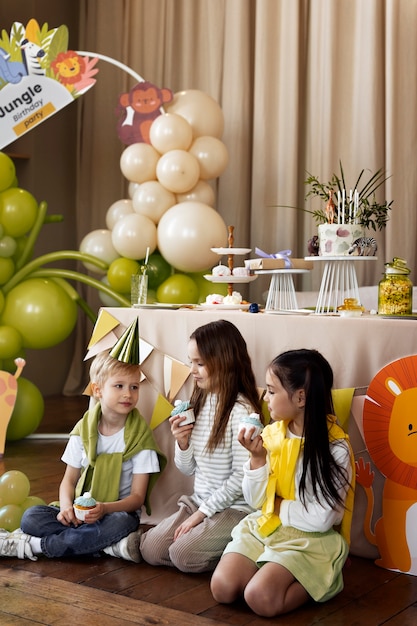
144, 462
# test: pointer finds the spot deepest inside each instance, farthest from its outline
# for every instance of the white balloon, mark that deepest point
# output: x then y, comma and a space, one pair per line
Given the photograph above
132, 188
138, 162
152, 199
200, 110
186, 234
178, 171
202, 192
118, 209
170, 132
98, 243
132, 235
212, 156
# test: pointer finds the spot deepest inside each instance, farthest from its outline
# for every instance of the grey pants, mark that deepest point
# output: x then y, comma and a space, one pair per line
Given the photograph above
200, 549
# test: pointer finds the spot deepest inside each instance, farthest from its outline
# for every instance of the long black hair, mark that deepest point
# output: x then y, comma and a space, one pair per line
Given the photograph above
309, 370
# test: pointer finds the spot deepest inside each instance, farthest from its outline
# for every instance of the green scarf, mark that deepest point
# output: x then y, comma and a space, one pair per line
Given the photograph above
102, 475
284, 453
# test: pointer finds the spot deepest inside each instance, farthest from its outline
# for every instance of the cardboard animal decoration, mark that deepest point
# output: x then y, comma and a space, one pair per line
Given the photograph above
8, 393
138, 109
390, 431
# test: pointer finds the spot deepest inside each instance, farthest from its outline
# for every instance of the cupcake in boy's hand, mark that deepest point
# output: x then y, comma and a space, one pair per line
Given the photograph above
184, 408
83, 504
251, 421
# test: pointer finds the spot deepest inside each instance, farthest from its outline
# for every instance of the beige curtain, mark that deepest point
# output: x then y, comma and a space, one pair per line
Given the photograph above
302, 84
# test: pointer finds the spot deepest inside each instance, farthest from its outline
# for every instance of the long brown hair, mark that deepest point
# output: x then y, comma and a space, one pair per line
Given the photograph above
225, 355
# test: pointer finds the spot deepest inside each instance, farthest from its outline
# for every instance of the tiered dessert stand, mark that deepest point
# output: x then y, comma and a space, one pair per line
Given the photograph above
231, 252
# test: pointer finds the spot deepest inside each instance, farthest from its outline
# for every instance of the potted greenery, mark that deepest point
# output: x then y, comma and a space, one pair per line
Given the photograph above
362, 209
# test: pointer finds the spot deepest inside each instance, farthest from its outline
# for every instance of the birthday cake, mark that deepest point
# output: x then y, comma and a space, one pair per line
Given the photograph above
336, 239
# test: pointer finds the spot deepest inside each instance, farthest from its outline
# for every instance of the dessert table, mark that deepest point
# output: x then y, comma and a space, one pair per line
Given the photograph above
357, 349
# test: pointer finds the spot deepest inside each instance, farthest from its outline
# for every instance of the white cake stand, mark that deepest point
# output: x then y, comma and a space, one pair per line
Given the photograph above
339, 280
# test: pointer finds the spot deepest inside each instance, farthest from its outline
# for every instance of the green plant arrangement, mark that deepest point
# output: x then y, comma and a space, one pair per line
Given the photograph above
356, 206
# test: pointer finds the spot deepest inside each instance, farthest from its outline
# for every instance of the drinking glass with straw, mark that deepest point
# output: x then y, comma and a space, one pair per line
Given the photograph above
139, 287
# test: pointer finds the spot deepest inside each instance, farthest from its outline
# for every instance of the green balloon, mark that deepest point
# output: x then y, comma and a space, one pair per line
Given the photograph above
18, 211
28, 411
178, 289
14, 487
10, 517
41, 311
157, 269
7, 171
31, 501
10, 342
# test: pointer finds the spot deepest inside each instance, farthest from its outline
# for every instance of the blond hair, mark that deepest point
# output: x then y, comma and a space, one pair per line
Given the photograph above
104, 366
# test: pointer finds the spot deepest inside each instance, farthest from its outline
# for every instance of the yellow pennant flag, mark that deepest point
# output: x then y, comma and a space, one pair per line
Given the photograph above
161, 411
342, 402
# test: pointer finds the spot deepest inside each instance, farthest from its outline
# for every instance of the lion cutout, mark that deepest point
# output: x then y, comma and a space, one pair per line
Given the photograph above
74, 71
390, 431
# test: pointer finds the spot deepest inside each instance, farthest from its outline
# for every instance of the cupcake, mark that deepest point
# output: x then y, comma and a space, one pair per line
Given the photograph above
251, 421
235, 298
184, 408
221, 270
83, 504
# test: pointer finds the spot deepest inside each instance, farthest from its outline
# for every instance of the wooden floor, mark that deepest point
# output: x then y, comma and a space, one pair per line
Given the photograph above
108, 591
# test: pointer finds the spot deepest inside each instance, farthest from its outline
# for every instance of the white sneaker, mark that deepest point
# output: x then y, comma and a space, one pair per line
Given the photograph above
16, 544
127, 548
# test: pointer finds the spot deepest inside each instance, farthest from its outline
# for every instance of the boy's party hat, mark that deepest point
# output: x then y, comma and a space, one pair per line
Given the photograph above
126, 349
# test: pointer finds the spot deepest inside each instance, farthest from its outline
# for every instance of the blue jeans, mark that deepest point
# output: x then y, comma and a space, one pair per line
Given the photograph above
58, 540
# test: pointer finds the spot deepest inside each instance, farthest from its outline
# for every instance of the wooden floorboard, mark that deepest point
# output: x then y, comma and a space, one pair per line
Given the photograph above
107, 590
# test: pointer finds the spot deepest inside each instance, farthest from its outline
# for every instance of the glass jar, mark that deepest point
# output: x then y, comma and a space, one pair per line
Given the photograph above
395, 290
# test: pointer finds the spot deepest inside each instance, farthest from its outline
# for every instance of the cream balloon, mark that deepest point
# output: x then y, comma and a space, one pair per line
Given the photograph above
152, 199
132, 235
186, 234
170, 132
212, 156
200, 110
178, 171
118, 209
138, 162
99, 243
132, 188
202, 192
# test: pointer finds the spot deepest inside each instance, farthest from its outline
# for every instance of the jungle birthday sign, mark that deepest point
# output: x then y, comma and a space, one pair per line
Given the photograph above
38, 76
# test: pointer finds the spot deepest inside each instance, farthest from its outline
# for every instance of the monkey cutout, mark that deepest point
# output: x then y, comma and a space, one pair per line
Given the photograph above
137, 110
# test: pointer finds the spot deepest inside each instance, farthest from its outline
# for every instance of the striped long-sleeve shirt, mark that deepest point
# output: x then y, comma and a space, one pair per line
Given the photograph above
218, 474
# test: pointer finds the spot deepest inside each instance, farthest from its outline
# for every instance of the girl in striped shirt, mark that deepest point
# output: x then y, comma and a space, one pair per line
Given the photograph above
193, 538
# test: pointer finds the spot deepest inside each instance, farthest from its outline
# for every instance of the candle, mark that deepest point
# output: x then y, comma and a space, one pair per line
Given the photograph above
343, 205
338, 206
350, 206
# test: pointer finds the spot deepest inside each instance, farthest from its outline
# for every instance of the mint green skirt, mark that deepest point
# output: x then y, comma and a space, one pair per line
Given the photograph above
314, 559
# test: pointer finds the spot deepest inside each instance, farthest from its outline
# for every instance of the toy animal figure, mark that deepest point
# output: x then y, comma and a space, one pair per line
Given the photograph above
330, 208
364, 246
8, 393
390, 431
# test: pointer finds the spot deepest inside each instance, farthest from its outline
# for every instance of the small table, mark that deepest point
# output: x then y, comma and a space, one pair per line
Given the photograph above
339, 280
281, 293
